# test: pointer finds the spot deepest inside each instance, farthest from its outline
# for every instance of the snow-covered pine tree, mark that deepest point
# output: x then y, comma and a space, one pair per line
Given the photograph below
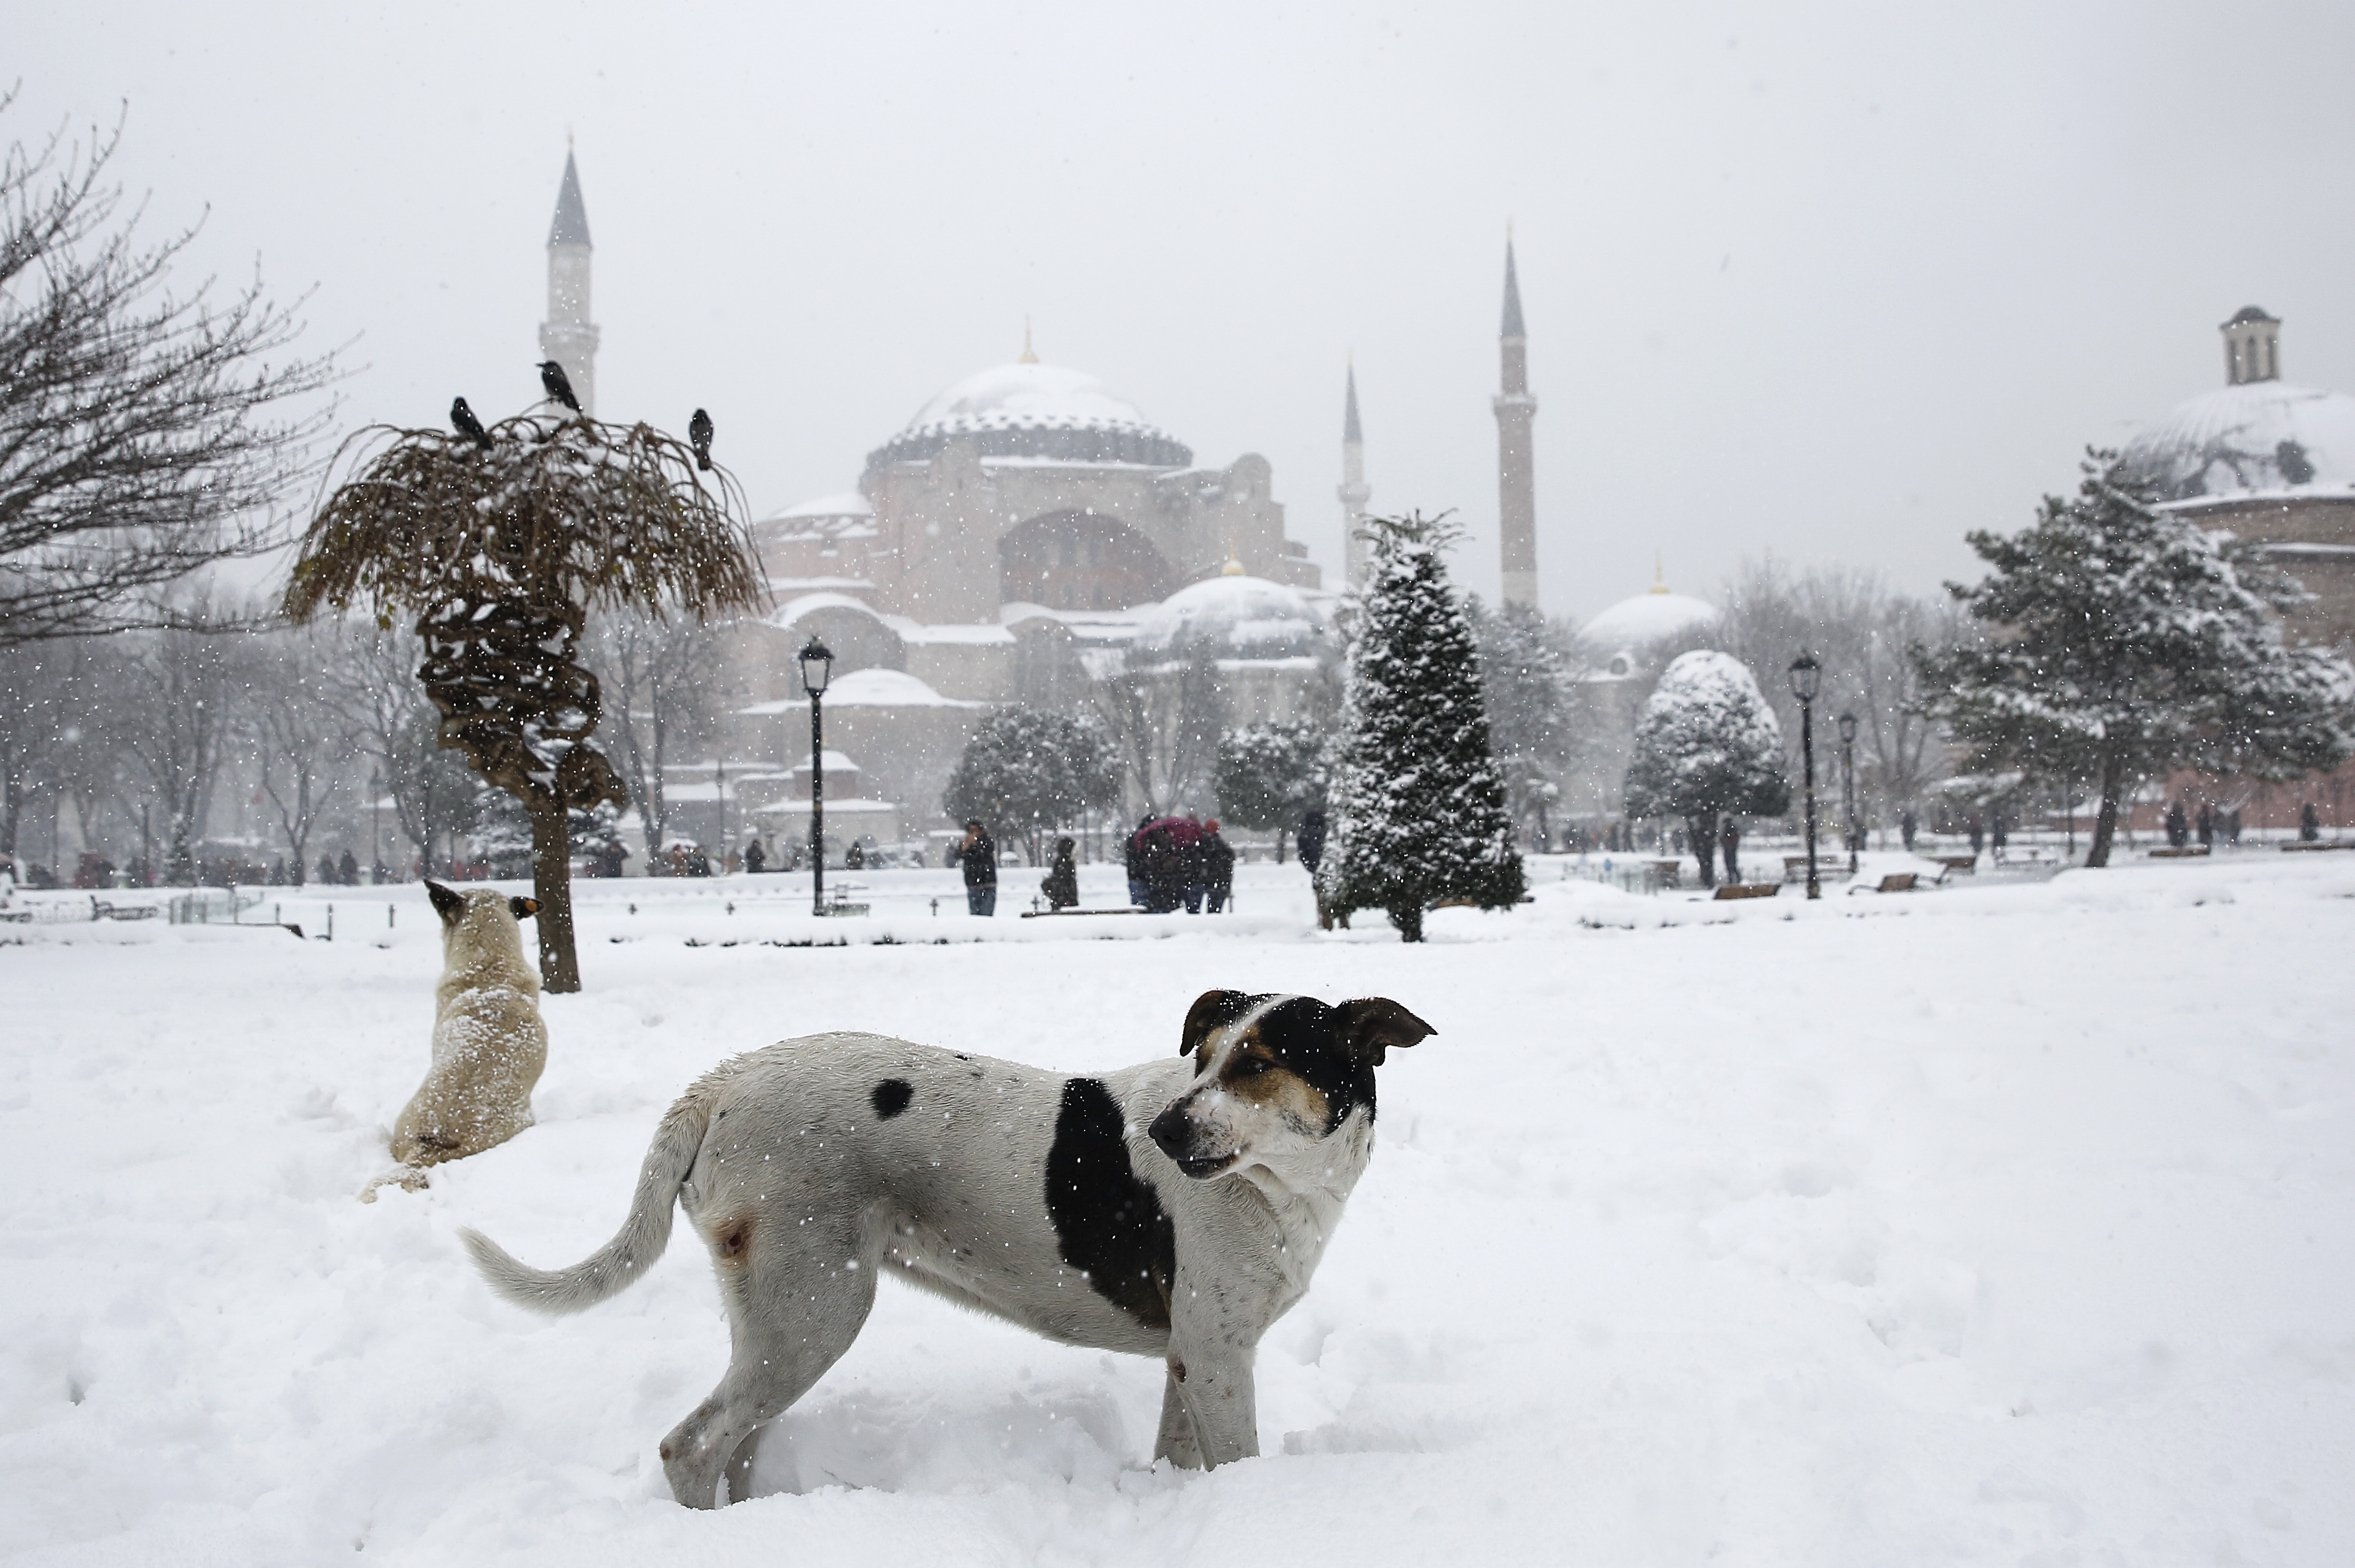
1417, 808
1706, 745
2126, 641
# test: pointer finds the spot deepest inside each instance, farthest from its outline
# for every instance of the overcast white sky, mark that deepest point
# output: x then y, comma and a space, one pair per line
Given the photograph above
1839, 282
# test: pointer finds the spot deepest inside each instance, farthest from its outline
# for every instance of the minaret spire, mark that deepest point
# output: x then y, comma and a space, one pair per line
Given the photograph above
1354, 491
567, 335
1517, 504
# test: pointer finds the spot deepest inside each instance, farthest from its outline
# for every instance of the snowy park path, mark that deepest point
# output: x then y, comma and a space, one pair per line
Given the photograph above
1994, 1226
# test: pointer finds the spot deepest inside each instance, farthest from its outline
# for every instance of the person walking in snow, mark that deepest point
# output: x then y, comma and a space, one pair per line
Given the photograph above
2309, 823
1906, 827
2206, 825
1312, 839
1218, 866
2178, 830
1728, 843
977, 853
1062, 882
1140, 886
1978, 835
756, 860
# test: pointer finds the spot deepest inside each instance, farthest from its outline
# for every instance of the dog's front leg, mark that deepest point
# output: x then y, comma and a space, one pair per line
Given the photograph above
1211, 1400
1177, 1441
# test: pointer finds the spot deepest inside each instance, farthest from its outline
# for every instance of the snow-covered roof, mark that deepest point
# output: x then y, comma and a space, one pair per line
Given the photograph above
1646, 619
846, 504
1234, 615
1038, 411
887, 688
2260, 439
811, 604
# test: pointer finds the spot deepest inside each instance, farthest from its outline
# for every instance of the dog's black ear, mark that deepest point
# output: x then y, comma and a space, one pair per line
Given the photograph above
1369, 1026
522, 908
1210, 1010
447, 904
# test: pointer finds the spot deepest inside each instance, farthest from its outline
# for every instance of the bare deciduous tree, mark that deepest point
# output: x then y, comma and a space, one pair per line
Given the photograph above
145, 433
659, 677
172, 717
300, 749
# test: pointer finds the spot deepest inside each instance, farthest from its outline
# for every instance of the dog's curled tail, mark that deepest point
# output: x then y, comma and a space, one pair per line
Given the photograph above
613, 1268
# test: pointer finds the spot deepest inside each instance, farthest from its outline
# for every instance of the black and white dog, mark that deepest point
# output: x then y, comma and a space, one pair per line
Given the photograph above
1166, 1209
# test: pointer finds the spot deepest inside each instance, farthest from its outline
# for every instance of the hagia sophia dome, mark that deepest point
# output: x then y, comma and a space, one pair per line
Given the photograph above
1044, 412
1234, 616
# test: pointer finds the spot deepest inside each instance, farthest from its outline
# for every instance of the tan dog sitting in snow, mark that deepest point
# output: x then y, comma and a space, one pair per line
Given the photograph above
489, 1044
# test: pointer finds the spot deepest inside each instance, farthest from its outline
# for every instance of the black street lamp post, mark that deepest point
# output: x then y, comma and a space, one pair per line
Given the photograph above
1848, 787
1807, 676
376, 825
817, 665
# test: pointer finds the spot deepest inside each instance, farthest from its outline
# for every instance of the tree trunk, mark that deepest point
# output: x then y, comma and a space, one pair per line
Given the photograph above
1407, 918
551, 884
2106, 826
1703, 833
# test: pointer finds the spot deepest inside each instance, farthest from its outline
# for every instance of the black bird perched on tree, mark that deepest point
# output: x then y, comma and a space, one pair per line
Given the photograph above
558, 385
467, 424
698, 436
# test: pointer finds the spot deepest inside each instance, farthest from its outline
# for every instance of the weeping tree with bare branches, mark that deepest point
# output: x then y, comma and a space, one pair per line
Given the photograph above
499, 549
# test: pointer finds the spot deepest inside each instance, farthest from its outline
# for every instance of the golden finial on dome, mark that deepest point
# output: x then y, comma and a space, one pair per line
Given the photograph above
1233, 568
1028, 355
1659, 574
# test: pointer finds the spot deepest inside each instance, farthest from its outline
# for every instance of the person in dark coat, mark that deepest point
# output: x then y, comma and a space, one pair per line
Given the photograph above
2309, 823
977, 853
1140, 889
756, 860
2179, 828
1218, 866
2207, 825
1193, 865
1978, 832
347, 869
1312, 840
1728, 843
1062, 882
1906, 827
1164, 875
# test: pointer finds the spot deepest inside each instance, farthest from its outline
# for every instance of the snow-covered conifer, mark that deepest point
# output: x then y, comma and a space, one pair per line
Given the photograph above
1707, 746
1527, 694
2126, 641
1417, 806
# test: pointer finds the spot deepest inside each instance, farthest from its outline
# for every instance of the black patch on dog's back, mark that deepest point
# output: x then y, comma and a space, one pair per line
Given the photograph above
891, 1097
1108, 1223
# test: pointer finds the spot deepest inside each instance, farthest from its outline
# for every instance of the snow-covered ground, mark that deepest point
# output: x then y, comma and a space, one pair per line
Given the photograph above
1998, 1224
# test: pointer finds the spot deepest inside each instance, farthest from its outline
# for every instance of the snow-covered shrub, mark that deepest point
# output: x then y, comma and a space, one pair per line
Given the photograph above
1706, 746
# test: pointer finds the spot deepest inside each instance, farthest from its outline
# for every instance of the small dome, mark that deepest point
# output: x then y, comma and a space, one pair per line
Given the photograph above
1041, 411
1233, 617
2260, 438
1646, 619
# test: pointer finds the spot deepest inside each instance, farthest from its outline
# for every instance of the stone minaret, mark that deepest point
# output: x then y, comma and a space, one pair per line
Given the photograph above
568, 336
2252, 346
1354, 491
1516, 495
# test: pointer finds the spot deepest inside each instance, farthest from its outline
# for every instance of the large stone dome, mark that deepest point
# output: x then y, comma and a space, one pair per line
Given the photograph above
2263, 439
1233, 617
1041, 412
1647, 618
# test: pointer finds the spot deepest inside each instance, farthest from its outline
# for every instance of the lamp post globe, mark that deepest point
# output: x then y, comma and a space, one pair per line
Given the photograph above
1807, 679
1847, 788
818, 668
